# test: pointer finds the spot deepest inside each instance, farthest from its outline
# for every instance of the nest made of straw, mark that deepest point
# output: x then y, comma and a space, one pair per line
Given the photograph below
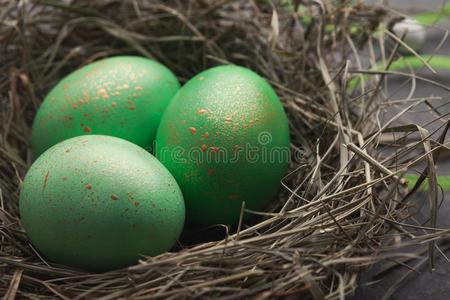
339, 201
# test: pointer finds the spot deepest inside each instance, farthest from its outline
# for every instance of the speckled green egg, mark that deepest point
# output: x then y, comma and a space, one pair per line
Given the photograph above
225, 139
99, 202
122, 96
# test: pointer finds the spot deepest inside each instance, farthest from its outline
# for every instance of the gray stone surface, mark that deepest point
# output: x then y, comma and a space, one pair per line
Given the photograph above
423, 285
410, 6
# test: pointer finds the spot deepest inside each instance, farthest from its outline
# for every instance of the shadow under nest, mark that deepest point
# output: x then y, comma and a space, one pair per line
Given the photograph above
338, 202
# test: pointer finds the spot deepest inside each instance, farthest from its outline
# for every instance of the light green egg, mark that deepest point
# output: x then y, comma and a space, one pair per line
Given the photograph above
225, 138
99, 202
122, 96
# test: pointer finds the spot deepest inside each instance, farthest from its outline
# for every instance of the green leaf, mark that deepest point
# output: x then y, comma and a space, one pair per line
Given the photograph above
443, 182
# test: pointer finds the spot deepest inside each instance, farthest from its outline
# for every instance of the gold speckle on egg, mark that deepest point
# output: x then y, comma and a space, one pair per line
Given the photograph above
102, 93
201, 78
88, 186
123, 87
113, 104
86, 96
201, 111
130, 196
138, 88
214, 149
114, 197
193, 130
45, 180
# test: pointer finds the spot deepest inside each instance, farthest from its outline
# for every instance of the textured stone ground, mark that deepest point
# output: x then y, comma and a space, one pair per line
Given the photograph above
424, 285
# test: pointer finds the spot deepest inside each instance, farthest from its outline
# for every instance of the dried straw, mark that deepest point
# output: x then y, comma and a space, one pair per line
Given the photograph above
343, 205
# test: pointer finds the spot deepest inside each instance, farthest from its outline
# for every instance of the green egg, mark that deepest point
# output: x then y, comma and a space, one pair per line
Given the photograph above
99, 202
225, 139
122, 96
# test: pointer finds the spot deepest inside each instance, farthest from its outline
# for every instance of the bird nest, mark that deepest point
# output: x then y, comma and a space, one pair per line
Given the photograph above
342, 204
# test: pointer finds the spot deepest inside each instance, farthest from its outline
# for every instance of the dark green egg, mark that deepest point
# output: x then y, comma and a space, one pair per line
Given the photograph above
225, 139
99, 203
123, 96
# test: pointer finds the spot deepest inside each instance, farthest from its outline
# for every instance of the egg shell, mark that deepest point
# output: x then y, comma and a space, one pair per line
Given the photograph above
122, 96
226, 111
99, 202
